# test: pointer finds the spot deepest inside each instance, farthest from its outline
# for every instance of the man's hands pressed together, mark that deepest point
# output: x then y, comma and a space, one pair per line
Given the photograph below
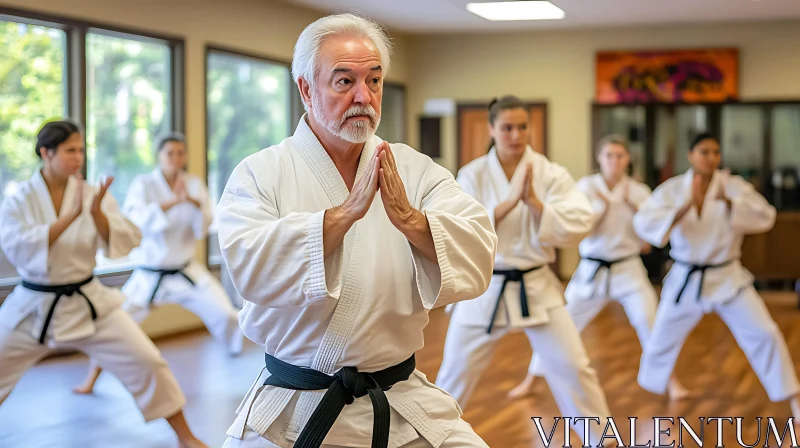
381, 175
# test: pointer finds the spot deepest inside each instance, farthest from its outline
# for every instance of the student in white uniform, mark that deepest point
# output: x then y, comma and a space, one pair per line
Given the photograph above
535, 207
173, 211
611, 268
341, 244
51, 230
704, 214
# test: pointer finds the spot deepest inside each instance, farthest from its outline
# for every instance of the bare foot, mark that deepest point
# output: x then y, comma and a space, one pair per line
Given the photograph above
524, 389
84, 389
186, 438
677, 391
88, 385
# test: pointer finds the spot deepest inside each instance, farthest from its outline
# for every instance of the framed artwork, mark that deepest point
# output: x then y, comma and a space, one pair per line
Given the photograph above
674, 76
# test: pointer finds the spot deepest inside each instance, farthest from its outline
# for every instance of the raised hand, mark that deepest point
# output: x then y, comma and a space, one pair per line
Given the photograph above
626, 196
70, 211
724, 177
393, 192
101, 193
338, 220
518, 186
180, 189
412, 223
77, 205
182, 194
528, 195
360, 198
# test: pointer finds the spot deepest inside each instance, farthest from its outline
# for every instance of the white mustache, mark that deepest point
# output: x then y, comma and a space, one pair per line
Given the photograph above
361, 110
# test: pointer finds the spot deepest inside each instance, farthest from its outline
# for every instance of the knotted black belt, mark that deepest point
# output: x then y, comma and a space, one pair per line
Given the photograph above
342, 387
605, 264
701, 268
60, 291
163, 273
512, 275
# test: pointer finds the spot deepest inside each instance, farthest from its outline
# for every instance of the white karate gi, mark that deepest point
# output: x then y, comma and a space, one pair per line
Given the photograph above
613, 240
713, 238
113, 339
364, 306
168, 242
522, 244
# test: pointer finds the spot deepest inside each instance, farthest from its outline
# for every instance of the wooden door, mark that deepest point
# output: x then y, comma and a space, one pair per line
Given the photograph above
473, 130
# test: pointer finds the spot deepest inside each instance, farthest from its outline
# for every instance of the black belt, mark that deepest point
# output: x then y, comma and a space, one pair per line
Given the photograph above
60, 291
342, 388
701, 268
512, 275
163, 273
605, 264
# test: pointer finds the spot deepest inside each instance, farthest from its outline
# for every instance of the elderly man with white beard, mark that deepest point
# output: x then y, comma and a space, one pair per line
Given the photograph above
337, 282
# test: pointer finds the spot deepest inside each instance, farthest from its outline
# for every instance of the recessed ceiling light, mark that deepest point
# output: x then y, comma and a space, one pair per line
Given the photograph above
517, 10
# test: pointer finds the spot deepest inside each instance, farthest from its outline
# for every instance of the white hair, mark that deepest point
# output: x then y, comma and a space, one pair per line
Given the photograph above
306, 51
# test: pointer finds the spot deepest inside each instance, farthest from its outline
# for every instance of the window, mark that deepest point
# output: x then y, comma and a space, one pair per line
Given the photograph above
123, 87
249, 105
393, 109
127, 107
32, 89
742, 142
783, 182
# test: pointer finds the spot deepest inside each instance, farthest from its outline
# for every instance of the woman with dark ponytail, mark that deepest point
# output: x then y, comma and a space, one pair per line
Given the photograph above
51, 231
173, 210
535, 207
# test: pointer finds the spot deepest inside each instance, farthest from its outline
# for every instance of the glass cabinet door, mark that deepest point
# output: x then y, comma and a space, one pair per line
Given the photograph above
675, 127
742, 142
629, 122
781, 184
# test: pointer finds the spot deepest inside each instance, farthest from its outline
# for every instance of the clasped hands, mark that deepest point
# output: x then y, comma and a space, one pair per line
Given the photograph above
181, 195
626, 196
382, 175
698, 194
522, 190
77, 205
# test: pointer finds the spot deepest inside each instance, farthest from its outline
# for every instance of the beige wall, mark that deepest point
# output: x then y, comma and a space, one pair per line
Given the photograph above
558, 67
263, 27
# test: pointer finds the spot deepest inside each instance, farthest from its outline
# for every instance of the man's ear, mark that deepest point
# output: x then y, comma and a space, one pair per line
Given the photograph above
305, 91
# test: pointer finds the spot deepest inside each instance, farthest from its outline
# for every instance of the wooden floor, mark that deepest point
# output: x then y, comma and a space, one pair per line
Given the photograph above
43, 413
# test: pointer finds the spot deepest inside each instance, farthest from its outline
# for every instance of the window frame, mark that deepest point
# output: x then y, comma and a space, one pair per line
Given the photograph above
76, 31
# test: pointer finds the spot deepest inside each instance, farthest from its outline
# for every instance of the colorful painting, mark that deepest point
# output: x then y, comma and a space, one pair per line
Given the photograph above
682, 76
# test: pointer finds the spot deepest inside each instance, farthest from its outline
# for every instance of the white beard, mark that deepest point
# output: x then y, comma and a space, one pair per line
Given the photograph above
354, 132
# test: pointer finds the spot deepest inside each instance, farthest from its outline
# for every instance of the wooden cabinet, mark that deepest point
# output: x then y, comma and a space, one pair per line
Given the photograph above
775, 255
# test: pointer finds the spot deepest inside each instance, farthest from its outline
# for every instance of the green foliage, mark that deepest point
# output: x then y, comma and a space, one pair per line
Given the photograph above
248, 110
128, 106
31, 92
